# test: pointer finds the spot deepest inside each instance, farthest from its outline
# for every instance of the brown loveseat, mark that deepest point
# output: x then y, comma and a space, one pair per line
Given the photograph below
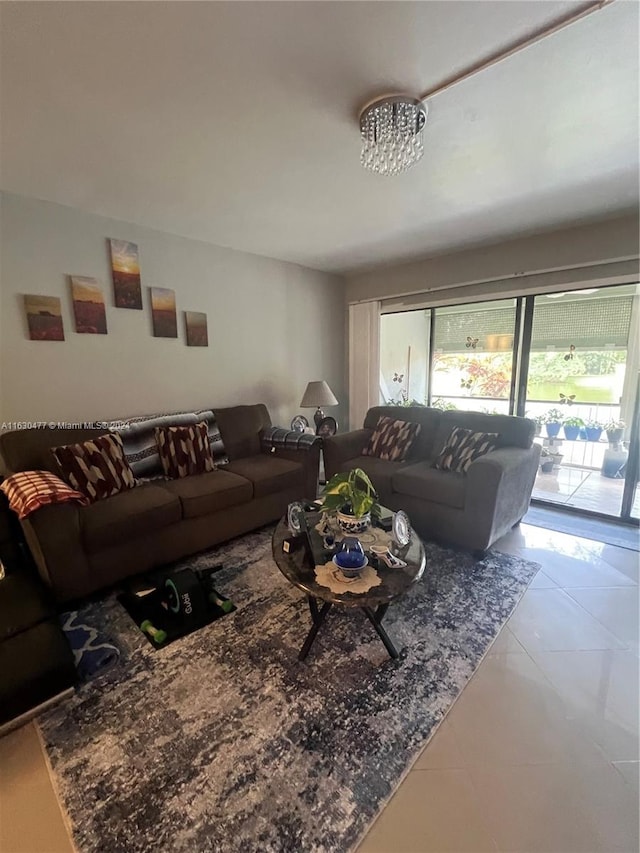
79, 550
471, 510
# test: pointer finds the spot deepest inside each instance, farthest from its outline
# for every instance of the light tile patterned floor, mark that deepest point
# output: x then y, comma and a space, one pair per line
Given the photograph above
539, 753
584, 489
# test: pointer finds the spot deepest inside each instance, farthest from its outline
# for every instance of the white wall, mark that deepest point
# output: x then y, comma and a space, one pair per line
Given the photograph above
273, 326
594, 251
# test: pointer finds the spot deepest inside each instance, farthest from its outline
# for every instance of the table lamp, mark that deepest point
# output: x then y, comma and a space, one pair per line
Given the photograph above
318, 394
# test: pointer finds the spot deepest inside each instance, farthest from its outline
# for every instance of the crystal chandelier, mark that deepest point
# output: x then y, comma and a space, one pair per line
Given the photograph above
392, 133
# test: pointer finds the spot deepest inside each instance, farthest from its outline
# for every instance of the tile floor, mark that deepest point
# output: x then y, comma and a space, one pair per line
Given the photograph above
539, 753
584, 489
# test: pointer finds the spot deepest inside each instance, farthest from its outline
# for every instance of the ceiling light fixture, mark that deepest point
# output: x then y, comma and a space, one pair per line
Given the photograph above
392, 133
392, 126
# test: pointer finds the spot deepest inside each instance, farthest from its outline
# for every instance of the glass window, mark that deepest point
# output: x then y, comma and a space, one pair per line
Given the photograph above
473, 356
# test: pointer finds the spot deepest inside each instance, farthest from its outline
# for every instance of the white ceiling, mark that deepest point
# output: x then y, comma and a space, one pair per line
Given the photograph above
236, 123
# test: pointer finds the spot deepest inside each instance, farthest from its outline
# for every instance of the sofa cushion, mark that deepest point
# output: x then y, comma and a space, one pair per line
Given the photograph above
427, 483
24, 602
97, 468
269, 474
184, 450
128, 515
391, 439
380, 471
512, 431
429, 419
463, 447
203, 494
240, 428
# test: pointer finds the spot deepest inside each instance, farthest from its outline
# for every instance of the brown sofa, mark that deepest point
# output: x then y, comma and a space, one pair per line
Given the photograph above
471, 510
79, 550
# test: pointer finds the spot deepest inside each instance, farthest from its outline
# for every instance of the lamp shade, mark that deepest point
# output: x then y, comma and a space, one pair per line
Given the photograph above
318, 394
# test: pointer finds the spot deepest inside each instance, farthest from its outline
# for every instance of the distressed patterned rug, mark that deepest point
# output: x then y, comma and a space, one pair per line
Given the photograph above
223, 741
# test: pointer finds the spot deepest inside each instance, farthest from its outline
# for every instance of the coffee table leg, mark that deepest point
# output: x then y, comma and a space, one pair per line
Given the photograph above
313, 607
318, 619
376, 621
381, 610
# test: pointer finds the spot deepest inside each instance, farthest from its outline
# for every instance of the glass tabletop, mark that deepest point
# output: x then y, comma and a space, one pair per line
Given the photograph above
298, 568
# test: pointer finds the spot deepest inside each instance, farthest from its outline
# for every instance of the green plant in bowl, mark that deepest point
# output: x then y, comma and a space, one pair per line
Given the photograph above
352, 493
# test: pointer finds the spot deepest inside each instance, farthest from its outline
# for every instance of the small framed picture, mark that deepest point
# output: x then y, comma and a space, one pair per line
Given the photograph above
327, 427
196, 326
299, 423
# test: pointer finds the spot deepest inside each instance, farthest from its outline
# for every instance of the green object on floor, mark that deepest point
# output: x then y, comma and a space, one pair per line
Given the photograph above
156, 634
223, 603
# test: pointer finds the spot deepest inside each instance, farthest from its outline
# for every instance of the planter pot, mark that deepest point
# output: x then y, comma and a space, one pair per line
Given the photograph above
553, 429
350, 524
615, 435
571, 433
547, 466
538, 429
557, 460
593, 433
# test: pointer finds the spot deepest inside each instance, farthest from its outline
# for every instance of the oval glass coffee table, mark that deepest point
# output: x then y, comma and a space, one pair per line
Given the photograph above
299, 567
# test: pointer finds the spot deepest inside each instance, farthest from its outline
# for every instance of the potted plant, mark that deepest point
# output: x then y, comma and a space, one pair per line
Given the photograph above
593, 430
546, 461
553, 421
538, 421
351, 495
615, 431
572, 427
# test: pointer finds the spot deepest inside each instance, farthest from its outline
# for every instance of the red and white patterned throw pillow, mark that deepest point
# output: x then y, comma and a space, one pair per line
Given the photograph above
28, 491
391, 439
184, 450
98, 468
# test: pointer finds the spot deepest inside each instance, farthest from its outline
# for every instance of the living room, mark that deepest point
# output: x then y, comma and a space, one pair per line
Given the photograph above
214, 160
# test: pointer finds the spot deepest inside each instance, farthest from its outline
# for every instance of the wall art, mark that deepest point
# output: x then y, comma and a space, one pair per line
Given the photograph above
196, 326
88, 305
125, 271
163, 311
44, 317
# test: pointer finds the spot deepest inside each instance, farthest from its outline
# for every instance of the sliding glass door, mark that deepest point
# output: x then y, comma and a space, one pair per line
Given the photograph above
472, 364
404, 358
568, 360
579, 392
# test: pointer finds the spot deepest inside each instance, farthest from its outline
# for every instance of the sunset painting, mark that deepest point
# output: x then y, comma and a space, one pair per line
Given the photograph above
163, 311
88, 305
44, 317
125, 269
196, 324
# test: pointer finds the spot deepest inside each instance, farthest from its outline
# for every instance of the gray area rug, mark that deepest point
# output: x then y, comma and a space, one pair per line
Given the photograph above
223, 741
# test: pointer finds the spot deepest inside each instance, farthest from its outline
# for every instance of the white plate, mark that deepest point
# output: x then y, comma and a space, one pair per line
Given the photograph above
401, 528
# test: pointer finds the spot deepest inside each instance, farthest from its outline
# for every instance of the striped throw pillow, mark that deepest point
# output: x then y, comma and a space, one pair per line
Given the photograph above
97, 468
184, 450
463, 447
28, 491
391, 439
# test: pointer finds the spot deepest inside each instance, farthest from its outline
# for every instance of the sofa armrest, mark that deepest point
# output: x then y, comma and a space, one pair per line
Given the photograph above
499, 486
278, 438
338, 449
296, 447
54, 537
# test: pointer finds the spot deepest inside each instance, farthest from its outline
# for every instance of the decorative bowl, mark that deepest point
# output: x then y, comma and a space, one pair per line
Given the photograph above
349, 571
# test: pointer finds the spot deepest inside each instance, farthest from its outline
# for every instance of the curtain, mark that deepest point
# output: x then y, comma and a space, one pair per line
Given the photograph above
364, 360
